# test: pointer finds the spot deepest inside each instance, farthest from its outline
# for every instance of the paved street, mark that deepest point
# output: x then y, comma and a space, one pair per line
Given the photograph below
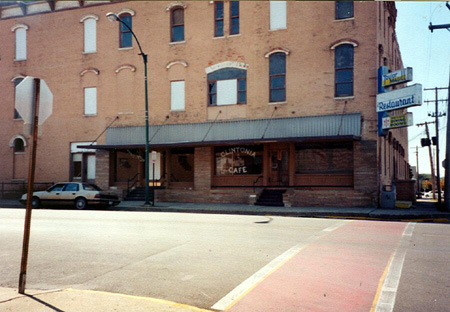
237, 263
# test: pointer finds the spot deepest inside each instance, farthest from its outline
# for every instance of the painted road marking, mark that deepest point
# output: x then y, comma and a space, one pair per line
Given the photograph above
155, 300
385, 298
245, 287
339, 272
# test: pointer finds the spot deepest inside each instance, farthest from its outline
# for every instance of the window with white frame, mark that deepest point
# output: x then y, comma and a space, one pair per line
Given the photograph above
277, 15
21, 41
177, 96
90, 34
90, 101
227, 86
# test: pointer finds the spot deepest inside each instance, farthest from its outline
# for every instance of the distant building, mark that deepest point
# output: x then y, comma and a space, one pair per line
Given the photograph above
243, 96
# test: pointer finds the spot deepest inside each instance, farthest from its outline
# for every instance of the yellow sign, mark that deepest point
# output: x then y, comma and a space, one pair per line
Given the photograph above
398, 121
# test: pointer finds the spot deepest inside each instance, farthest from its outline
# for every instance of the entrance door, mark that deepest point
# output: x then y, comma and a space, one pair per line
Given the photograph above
279, 168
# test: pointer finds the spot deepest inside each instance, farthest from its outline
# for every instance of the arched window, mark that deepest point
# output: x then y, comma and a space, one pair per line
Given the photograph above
277, 77
19, 145
227, 86
90, 33
177, 24
343, 65
21, 41
126, 38
16, 113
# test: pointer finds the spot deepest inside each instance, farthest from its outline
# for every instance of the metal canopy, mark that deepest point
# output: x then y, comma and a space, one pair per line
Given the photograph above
347, 126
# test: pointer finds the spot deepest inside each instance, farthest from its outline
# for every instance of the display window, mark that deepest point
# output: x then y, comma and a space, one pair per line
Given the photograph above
238, 160
327, 158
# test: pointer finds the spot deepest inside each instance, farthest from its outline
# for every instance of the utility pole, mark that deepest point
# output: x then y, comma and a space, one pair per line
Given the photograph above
447, 148
436, 115
417, 169
433, 178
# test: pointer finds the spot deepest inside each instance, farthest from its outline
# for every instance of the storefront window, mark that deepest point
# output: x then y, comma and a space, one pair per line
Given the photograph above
238, 160
328, 158
182, 165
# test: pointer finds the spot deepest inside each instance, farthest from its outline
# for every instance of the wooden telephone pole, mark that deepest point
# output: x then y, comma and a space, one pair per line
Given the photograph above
433, 179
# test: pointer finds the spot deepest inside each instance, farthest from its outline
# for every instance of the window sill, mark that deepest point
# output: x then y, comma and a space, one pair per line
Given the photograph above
91, 115
177, 110
19, 153
278, 29
234, 35
126, 48
219, 37
277, 103
344, 19
23, 60
84, 53
222, 105
17, 119
343, 98
177, 42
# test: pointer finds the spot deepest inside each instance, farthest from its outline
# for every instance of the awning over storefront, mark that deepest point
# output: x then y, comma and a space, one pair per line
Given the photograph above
336, 127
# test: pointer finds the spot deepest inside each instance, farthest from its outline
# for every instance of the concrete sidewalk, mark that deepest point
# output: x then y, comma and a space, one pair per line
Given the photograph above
424, 210
73, 300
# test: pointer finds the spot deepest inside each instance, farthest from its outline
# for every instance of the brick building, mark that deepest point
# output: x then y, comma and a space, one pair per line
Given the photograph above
243, 97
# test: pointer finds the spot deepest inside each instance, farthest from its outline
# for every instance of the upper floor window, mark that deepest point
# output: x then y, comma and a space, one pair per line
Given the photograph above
177, 24
19, 145
277, 77
21, 41
218, 19
277, 15
90, 101
90, 33
344, 9
126, 38
16, 113
227, 86
234, 17
177, 97
343, 64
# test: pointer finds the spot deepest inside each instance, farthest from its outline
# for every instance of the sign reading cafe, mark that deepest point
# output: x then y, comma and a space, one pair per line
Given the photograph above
237, 160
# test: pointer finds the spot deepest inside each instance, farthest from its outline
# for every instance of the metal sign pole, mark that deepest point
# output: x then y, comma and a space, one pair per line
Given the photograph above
153, 176
31, 170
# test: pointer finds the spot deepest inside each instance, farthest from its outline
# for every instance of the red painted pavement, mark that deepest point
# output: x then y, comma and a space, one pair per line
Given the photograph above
338, 272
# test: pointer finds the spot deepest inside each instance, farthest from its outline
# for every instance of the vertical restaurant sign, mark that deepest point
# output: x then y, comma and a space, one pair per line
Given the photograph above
398, 121
399, 76
400, 98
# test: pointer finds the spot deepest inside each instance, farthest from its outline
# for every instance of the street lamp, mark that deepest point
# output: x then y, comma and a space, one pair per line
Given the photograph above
113, 17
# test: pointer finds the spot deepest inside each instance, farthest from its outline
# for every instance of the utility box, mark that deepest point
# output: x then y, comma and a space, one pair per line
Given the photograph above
388, 197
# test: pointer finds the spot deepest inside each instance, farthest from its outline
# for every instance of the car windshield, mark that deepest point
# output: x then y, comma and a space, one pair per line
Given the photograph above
91, 187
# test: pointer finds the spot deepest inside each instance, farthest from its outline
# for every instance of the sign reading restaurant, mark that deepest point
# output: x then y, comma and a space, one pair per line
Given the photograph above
399, 76
398, 121
400, 98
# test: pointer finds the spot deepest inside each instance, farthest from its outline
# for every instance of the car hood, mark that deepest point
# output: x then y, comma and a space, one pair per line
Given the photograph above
24, 196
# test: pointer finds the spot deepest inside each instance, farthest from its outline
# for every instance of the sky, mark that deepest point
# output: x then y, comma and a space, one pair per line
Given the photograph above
429, 56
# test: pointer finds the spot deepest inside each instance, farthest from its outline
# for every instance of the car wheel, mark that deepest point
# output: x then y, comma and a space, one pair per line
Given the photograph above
35, 202
80, 203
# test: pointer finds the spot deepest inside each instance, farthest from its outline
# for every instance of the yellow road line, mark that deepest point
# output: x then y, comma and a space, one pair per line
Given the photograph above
155, 300
380, 283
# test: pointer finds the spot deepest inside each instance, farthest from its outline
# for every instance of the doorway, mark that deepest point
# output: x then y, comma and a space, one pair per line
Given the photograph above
279, 167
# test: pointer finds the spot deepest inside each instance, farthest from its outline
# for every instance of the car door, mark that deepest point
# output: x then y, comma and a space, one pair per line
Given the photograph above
53, 195
69, 193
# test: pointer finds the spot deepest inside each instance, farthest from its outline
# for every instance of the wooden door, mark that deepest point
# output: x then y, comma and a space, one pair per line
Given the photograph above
279, 167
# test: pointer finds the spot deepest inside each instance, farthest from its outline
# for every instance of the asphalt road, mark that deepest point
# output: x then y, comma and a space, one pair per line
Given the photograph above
242, 263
